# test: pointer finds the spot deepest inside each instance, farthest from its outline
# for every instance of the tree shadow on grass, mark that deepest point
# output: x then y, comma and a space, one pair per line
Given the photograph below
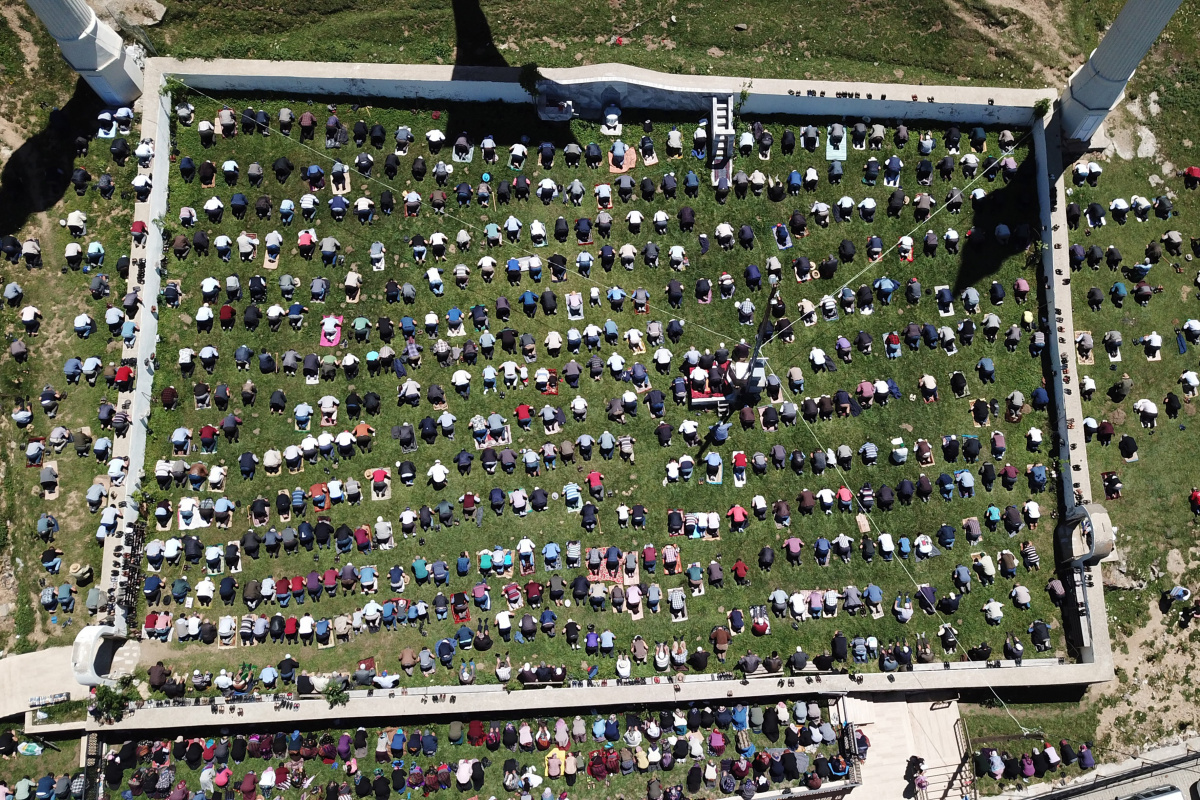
37, 175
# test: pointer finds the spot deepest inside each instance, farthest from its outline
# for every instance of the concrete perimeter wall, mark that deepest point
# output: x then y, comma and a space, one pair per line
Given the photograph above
592, 88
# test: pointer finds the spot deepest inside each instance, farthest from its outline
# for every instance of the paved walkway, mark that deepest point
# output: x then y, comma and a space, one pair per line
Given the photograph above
41, 673
899, 728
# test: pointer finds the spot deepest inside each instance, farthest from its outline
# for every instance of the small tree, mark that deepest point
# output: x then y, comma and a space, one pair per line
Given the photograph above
111, 703
1041, 108
336, 695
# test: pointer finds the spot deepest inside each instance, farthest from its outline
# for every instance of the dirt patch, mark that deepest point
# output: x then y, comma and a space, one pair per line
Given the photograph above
14, 16
1043, 19
1154, 665
716, 52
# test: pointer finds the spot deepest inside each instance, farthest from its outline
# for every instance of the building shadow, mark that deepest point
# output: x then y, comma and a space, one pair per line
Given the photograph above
1006, 203
473, 41
38, 173
477, 58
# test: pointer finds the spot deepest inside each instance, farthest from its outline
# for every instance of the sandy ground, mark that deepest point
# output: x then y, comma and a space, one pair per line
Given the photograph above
1154, 704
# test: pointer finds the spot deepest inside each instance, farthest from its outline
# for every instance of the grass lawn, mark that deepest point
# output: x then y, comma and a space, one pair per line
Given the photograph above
318, 773
928, 41
707, 326
1153, 515
993, 726
61, 294
64, 759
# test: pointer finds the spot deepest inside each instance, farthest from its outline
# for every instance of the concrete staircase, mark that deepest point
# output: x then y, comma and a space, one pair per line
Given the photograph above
924, 726
722, 139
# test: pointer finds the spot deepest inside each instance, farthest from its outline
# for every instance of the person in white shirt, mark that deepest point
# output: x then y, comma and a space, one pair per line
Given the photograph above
993, 612
438, 474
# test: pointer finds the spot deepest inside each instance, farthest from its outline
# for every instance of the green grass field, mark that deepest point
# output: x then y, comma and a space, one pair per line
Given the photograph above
930, 42
707, 326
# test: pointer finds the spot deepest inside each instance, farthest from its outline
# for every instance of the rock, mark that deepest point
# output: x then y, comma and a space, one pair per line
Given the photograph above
5, 610
741, 26
131, 12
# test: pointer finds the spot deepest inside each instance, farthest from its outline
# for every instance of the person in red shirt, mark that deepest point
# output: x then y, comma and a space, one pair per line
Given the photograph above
595, 481
291, 630
737, 517
138, 229
297, 584
329, 581
283, 590
227, 314
524, 415
208, 438
468, 503
649, 558
362, 538
1194, 498
379, 482
845, 498
739, 466
123, 378
740, 571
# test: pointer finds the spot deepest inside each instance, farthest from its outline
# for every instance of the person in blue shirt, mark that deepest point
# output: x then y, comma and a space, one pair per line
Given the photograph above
610, 331
529, 302
945, 536
366, 578
73, 369
45, 787
550, 555
598, 730
547, 620
1037, 478
821, 551
720, 432
1118, 293
986, 369
396, 578
962, 579
616, 297
152, 588
269, 676
337, 207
